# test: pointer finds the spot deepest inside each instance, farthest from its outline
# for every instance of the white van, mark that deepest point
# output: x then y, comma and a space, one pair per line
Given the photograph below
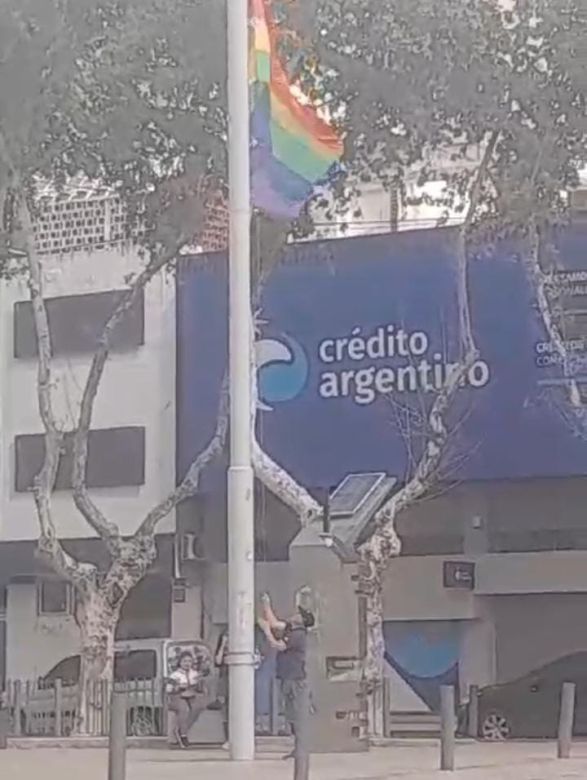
140, 669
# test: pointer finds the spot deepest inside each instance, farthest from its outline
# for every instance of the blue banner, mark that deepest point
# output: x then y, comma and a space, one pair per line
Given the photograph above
355, 339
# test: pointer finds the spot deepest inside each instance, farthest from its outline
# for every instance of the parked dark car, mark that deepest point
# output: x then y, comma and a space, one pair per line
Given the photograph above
529, 706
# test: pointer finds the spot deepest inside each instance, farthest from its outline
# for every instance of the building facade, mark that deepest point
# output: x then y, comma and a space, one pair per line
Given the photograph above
86, 264
490, 582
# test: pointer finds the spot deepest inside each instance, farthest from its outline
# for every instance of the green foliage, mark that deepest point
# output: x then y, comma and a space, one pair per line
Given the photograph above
123, 91
133, 92
409, 79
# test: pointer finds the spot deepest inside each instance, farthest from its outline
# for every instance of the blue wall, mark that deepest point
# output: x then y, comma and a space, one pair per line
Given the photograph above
350, 324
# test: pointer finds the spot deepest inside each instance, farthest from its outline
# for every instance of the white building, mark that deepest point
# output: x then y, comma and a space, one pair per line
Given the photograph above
132, 446
411, 206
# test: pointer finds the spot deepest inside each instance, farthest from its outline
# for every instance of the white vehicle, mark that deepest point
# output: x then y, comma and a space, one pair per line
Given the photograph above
140, 669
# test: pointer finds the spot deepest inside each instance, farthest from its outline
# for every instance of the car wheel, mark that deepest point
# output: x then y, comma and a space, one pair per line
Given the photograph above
141, 723
495, 727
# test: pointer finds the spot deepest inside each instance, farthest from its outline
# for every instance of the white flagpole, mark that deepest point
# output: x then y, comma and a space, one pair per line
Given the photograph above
241, 561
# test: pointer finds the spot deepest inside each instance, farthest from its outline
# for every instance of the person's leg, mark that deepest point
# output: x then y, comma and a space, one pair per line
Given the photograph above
301, 711
175, 709
173, 726
289, 708
183, 718
196, 708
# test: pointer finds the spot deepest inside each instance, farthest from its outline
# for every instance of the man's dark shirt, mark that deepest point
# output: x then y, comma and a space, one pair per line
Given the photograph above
291, 663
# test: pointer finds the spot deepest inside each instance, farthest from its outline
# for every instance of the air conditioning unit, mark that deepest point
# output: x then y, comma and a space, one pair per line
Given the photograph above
191, 548
578, 201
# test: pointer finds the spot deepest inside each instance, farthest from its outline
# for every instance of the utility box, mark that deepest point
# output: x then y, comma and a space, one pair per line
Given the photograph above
324, 568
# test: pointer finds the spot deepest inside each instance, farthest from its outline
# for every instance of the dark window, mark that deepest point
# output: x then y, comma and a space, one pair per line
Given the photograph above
3, 599
54, 598
116, 458
145, 612
538, 540
132, 665
575, 325
67, 670
432, 544
135, 665
76, 323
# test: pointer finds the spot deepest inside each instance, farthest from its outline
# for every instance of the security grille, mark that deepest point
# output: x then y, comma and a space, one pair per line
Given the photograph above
81, 220
86, 217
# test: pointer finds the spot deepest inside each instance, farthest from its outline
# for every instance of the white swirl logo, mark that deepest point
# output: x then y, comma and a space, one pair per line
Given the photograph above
282, 371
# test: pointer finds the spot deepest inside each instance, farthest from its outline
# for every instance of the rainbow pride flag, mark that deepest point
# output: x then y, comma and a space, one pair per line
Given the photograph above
293, 150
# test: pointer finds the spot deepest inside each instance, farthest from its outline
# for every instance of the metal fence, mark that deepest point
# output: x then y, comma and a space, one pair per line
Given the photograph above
50, 711
37, 710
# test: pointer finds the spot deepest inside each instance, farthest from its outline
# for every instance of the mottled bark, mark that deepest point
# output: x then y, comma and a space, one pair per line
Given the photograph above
191, 482
282, 485
97, 615
384, 543
97, 622
99, 598
50, 547
551, 318
106, 530
270, 473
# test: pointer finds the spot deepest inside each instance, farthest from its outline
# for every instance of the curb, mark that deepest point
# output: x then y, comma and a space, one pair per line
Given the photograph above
264, 744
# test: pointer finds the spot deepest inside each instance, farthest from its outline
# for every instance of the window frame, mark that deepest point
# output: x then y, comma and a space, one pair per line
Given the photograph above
69, 599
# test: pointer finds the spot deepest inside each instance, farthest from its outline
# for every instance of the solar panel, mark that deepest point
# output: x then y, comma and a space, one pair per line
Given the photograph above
352, 493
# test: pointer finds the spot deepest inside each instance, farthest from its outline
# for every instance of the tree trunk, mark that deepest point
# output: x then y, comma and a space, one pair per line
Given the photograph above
375, 556
371, 589
97, 622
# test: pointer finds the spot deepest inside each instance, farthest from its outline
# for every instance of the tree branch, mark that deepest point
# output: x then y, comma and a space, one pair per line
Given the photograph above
43, 333
273, 476
384, 542
276, 479
80, 574
107, 530
190, 484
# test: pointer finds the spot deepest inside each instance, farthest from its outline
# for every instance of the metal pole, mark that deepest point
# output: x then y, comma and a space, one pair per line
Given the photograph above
566, 719
17, 708
5, 702
302, 734
241, 561
473, 719
386, 706
275, 702
447, 728
117, 738
58, 708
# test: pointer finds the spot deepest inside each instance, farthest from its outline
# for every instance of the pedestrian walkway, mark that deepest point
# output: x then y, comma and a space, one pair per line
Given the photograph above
416, 760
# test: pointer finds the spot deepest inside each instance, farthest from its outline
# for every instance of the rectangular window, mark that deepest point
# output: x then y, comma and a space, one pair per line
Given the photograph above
432, 544
135, 665
76, 323
538, 540
3, 599
116, 458
54, 598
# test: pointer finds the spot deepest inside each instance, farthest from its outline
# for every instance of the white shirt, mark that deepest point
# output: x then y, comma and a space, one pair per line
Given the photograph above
181, 679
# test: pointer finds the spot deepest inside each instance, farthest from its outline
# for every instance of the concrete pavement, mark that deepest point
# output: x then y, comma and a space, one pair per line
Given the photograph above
416, 760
